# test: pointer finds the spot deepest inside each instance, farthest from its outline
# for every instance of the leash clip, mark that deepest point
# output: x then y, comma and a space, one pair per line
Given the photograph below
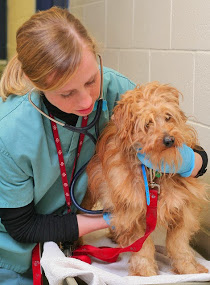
152, 184
155, 185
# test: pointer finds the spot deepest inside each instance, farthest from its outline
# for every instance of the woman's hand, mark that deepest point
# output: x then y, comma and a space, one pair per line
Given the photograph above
90, 223
107, 217
190, 165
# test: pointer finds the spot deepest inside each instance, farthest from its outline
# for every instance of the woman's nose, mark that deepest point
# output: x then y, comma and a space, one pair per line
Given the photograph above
85, 99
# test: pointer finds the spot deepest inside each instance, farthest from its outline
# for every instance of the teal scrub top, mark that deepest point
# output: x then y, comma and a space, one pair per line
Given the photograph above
29, 168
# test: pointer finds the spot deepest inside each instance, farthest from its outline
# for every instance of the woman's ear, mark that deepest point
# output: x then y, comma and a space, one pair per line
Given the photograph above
26, 78
28, 82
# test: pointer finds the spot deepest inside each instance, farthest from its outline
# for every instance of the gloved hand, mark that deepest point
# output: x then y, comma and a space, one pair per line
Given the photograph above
184, 169
107, 217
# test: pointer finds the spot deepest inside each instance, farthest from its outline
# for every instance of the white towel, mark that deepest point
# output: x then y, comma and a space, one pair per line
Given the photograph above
57, 267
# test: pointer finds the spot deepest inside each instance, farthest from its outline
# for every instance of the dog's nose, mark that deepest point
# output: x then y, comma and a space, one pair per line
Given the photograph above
168, 141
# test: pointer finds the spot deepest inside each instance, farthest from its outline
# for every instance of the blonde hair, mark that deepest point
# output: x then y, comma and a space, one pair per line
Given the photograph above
49, 50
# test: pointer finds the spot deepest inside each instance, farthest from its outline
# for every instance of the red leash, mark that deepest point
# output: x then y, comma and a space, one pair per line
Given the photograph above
109, 254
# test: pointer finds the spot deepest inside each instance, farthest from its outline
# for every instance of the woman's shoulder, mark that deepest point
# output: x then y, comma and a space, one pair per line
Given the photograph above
12, 103
115, 82
111, 74
16, 106
114, 85
22, 129
17, 116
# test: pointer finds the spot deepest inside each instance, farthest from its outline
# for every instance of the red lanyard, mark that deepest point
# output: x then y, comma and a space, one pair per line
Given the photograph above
36, 267
61, 159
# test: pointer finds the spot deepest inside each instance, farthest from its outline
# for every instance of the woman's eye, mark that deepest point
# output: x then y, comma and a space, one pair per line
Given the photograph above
67, 95
91, 82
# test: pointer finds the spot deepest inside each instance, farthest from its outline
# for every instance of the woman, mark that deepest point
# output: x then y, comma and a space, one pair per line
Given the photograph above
57, 57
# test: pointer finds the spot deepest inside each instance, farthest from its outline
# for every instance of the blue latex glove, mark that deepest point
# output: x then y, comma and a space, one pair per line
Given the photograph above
186, 167
107, 217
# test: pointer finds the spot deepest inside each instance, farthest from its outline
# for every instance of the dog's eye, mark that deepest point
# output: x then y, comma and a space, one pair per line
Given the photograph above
147, 125
167, 117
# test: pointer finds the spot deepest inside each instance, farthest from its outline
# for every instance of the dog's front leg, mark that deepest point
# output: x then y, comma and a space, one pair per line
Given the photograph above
127, 229
142, 263
177, 242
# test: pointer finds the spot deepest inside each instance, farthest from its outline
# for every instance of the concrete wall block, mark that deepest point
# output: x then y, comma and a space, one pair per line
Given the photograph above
152, 24
79, 13
111, 58
202, 88
94, 18
75, 3
135, 65
204, 139
191, 24
119, 23
176, 69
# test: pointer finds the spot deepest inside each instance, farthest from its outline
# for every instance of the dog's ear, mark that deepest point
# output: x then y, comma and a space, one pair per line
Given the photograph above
123, 117
173, 94
118, 119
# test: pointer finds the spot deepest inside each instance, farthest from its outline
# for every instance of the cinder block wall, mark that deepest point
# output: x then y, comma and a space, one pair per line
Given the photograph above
164, 40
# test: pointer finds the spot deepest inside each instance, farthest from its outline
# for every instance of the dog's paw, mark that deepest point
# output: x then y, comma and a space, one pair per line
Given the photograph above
143, 267
201, 268
145, 273
189, 268
111, 236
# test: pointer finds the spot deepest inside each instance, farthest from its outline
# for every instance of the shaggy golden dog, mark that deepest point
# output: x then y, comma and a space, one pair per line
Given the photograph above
147, 117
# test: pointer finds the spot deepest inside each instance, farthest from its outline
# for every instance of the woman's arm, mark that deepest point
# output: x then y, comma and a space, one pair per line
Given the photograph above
198, 164
25, 225
201, 162
89, 223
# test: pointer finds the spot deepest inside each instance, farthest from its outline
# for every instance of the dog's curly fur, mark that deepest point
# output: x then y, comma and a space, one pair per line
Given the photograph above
143, 118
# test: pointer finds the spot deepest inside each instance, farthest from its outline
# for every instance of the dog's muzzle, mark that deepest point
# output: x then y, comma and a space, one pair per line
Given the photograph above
168, 141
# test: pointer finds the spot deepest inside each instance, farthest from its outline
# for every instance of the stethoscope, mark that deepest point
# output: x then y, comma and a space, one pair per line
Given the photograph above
80, 130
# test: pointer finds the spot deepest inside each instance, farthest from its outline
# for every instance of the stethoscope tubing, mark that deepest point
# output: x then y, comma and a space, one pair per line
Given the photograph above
72, 186
82, 169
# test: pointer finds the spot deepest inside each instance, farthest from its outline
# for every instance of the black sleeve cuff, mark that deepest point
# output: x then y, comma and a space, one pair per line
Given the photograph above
204, 157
